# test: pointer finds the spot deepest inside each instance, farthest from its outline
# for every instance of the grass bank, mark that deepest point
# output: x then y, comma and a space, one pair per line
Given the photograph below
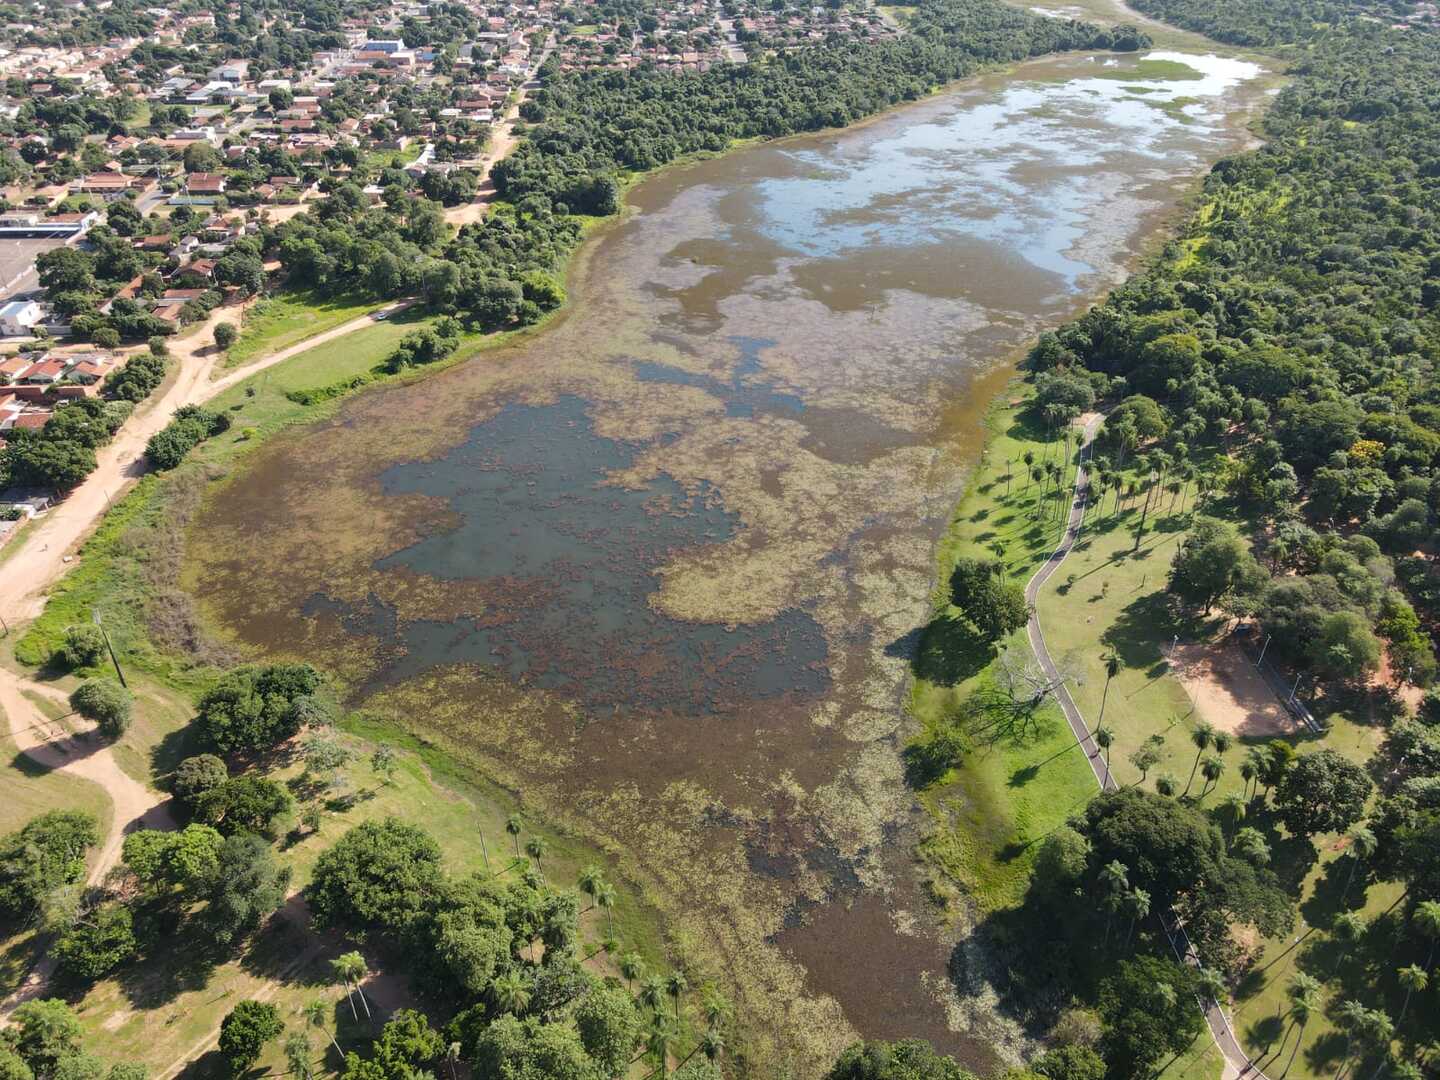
288, 318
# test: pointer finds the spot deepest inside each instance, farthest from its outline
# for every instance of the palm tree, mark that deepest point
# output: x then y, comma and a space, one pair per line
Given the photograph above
511, 993
1412, 978
1210, 984
589, 881
1112, 668
350, 968
1231, 811
1104, 738
652, 993
1362, 849
1223, 740
1379, 1031
536, 847
675, 985
1115, 878
1203, 737
513, 824
1427, 920
1351, 1016
1301, 1009
1212, 770
1253, 767
315, 1016
631, 968
1137, 902
1251, 845
712, 1045
1029, 459
605, 899
1167, 784
657, 1041
1348, 929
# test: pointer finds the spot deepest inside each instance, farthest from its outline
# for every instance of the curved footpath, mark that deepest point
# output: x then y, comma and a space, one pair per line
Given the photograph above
1237, 1062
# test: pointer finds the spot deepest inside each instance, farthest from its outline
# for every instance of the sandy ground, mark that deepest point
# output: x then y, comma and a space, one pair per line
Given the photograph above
1229, 692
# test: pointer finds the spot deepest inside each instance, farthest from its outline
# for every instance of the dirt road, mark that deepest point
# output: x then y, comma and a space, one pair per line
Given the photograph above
502, 141
85, 755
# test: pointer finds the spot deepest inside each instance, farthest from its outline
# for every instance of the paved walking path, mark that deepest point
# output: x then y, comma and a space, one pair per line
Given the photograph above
1237, 1062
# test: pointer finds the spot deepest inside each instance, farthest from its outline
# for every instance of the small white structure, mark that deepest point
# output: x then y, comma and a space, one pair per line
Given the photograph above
19, 318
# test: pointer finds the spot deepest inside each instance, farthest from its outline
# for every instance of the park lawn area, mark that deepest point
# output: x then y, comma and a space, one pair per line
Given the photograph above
1013, 787
289, 317
993, 810
344, 357
1312, 948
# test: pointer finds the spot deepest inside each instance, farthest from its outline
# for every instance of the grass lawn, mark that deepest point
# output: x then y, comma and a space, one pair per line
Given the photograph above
288, 317
160, 1011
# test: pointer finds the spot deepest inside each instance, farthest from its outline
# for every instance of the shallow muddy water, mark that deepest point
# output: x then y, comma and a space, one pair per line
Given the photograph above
659, 567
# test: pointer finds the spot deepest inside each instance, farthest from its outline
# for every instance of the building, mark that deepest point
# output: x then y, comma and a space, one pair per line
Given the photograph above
19, 318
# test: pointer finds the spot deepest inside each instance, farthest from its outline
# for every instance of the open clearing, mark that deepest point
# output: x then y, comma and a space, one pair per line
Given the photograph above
1229, 692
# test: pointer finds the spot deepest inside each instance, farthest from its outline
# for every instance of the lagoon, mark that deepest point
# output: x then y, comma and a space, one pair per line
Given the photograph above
660, 567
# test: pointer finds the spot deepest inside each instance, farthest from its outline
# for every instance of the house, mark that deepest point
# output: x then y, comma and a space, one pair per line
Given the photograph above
45, 372
177, 298
204, 184
91, 368
19, 318
201, 270
107, 183
12, 367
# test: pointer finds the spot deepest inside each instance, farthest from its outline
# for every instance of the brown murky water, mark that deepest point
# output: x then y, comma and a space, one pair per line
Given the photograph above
659, 567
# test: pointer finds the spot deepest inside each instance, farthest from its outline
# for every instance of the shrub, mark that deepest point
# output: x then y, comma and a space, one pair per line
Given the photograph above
190, 426
244, 1033
251, 708
244, 804
48, 852
84, 646
105, 702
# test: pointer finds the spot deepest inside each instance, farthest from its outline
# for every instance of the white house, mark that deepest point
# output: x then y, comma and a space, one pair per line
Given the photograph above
19, 318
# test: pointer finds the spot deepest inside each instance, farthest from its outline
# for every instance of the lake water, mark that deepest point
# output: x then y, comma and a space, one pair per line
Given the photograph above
660, 567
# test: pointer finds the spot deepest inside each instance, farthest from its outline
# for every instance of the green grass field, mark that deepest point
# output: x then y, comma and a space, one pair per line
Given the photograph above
288, 318
162, 1010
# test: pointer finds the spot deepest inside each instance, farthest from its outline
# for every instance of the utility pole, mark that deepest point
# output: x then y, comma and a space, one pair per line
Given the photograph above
111, 648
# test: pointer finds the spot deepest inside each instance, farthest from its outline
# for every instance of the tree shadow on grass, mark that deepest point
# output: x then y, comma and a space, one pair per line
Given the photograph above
210, 1065
1142, 630
182, 958
950, 651
174, 748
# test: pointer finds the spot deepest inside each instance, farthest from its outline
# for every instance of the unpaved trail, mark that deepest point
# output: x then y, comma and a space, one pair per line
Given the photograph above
86, 755
502, 141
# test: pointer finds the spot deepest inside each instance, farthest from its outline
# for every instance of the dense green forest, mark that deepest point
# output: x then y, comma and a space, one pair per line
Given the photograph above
1295, 327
